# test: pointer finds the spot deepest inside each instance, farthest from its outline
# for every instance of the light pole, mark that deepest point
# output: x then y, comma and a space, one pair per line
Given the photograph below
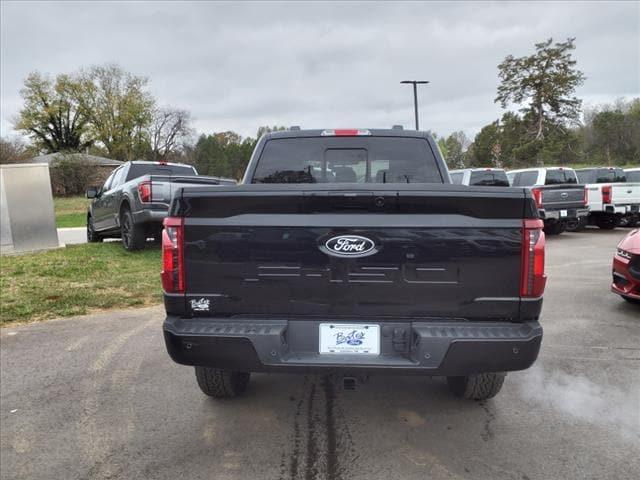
415, 96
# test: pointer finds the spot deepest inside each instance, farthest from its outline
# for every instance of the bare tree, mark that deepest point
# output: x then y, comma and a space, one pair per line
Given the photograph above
14, 150
169, 129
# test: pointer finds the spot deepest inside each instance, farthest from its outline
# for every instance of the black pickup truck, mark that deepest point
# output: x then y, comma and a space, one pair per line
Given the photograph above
134, 200
349, 252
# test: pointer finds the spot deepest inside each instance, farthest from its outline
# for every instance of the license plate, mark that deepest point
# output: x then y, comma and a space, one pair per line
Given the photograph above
350, 338
563, 213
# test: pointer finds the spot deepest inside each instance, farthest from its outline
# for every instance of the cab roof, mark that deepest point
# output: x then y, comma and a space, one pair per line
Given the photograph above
348, 132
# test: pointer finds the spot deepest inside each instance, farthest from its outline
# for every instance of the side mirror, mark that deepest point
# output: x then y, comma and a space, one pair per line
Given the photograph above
92, 192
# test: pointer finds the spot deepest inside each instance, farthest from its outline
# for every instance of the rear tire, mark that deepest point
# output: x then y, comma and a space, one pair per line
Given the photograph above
577, 225
92, 235
477, 387
219, 383
134, 237
555, 228
607, 222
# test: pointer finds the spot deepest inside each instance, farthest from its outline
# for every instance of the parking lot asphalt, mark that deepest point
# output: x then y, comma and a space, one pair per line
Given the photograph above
97, 397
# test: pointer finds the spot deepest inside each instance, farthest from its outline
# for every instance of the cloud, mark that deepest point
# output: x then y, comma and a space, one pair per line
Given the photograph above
239, 66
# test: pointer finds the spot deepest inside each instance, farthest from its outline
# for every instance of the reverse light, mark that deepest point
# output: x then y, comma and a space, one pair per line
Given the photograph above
345, 132
173, 255
533, 278
144, 191
606, 194
537, 196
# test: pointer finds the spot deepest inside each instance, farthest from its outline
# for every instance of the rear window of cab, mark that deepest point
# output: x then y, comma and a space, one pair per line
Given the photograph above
560, 177
357, 159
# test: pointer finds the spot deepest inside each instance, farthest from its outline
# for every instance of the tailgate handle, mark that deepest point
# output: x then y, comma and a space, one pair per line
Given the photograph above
351, 200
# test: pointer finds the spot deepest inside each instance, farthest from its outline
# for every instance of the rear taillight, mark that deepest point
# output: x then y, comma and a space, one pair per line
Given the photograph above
173, 255
533, 278
537, 196
144, 191
586, 196
606, 194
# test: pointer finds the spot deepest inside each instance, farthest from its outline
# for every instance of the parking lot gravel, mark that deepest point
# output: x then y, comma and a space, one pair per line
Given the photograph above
97, 397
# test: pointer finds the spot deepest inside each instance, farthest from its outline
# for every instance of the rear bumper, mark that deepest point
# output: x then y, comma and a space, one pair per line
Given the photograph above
563, 214
429, 348
629, 209
147, 215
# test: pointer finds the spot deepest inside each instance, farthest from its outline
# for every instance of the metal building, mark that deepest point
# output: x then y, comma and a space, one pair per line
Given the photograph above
27, 219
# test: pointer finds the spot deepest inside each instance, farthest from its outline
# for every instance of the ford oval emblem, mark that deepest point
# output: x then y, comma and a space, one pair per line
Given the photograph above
564, 194
350, 246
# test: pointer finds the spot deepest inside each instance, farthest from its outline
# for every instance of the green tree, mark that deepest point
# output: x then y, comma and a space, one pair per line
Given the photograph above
267, 129
52, 115
545, 81
609, 136
223, 154
455, 144
442, 145
119, 109
486, 147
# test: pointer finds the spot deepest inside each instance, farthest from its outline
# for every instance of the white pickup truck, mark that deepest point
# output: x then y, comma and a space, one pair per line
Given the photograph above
488, 177
612, 200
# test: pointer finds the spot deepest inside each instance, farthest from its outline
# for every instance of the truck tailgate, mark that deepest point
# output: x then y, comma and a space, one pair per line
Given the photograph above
625, 193
164, 186
437, 251
562, 196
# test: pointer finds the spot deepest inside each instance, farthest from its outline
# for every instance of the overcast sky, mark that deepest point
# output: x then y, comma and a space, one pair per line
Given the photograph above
239, 66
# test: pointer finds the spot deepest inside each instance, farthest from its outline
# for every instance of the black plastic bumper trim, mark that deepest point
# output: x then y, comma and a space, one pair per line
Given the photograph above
437, 348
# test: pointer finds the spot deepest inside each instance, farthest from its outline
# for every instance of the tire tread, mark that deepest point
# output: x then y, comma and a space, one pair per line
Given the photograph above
477, 387
219, 383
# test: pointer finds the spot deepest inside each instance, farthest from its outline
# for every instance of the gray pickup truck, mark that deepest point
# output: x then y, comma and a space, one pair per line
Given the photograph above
561, 200
135, 199
350, 252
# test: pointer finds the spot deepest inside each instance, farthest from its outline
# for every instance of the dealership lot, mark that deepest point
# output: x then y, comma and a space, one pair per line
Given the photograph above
98, 397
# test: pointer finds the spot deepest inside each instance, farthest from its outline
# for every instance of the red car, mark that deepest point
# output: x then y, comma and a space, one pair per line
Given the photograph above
626, 268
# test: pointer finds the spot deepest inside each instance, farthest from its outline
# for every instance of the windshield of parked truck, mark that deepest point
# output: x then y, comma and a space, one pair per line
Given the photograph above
559, 177
357, 159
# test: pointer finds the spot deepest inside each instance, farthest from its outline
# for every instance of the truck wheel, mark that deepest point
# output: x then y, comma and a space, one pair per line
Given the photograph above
573, 225
134, 236
92, 235
555, 228
219, 383
477, 387
608, 222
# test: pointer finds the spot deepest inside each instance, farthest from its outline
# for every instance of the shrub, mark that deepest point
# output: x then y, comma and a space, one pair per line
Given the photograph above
72, 174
